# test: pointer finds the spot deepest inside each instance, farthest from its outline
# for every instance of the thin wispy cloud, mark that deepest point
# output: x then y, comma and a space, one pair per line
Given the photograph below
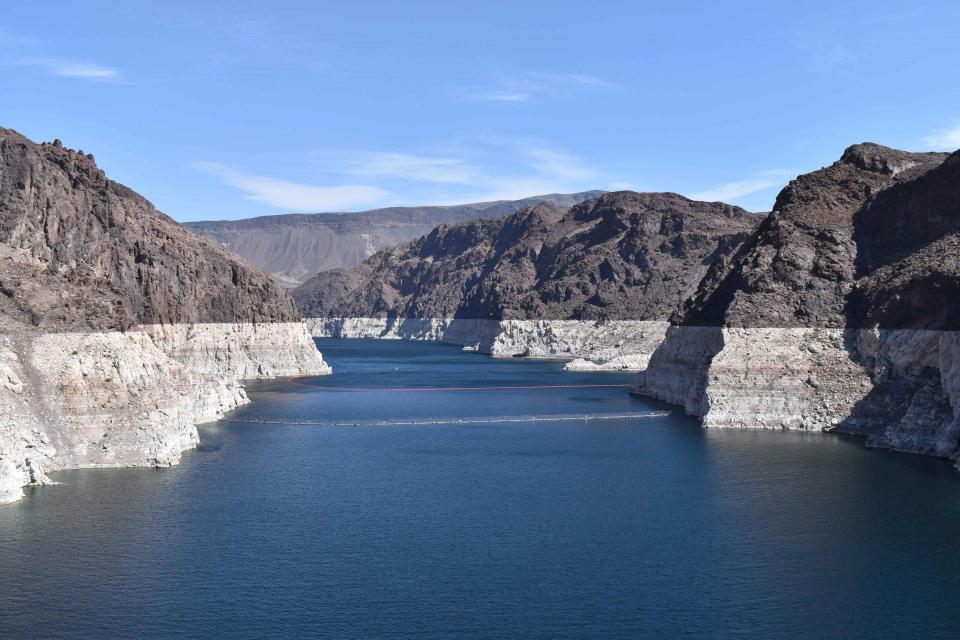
536, 168
296, 196
66, 68
732, 191
405, 166
529, 86
513, 169
943, 140
510, 188
558, 163
531, 162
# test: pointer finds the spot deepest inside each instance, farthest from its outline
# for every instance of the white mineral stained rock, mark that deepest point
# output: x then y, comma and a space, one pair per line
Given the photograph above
112, 399
758, 378
917, 374
592, 344
899, 388
247, 351
628, 362
677, 370
773, 378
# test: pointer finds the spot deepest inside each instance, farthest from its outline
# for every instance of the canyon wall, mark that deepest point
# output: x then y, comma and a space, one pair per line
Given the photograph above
595, 282
133, 398
838, 314
119, 330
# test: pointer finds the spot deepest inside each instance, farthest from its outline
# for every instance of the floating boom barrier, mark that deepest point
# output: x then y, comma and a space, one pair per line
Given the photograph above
455, 421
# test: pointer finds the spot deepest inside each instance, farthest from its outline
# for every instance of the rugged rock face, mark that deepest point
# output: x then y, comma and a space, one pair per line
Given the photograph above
295, 247
838, 313
82, 251
621, 258
799, 266
119, 330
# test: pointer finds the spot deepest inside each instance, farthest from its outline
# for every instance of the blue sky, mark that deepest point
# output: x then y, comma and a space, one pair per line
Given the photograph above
229, 110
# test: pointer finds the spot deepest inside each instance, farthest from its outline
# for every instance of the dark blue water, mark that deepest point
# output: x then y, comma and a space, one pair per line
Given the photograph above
635, 528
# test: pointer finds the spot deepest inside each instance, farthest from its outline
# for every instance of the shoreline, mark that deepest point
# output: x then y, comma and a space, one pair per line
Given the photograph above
587, 345
896, 389
130, 399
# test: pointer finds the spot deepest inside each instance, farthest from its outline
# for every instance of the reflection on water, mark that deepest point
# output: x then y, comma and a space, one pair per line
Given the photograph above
614, 528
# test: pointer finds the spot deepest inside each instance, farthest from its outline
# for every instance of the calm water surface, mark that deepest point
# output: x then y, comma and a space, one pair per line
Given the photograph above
634, 528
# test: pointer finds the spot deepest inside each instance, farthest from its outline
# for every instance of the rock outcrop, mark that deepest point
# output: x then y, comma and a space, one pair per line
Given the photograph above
839, 313
597, 281
119, 329
591, 345
295, 247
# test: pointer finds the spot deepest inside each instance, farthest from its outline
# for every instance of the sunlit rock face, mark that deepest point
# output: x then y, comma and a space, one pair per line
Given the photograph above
595, 282
839, 313
294, 247
119, 329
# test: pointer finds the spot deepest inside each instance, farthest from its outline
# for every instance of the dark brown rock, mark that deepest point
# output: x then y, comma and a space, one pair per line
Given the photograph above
909, 254
295, 247
623, 256
79, 251
801, 264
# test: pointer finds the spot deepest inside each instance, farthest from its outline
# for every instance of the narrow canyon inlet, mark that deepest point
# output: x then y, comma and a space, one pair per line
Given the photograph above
422, 491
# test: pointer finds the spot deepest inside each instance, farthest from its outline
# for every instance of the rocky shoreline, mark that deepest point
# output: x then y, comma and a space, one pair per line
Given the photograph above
589, 345
594, 284
898, 388
837, 312
133, 398
120, 330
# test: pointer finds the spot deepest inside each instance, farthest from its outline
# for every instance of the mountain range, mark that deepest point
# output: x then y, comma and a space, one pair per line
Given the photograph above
619, 256
294, 247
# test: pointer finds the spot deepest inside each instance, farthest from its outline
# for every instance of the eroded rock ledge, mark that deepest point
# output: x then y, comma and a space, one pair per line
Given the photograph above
133, 398
899, 388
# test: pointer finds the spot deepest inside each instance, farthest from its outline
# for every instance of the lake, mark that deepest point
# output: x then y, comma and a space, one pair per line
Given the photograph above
468, 512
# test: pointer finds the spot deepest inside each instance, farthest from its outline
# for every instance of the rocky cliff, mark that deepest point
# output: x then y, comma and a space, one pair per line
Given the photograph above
839, 313
294, 247
598, 280
119, 329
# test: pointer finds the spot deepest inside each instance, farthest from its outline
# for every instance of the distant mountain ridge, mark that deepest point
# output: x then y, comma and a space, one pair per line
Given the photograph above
294, 247
620, 256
